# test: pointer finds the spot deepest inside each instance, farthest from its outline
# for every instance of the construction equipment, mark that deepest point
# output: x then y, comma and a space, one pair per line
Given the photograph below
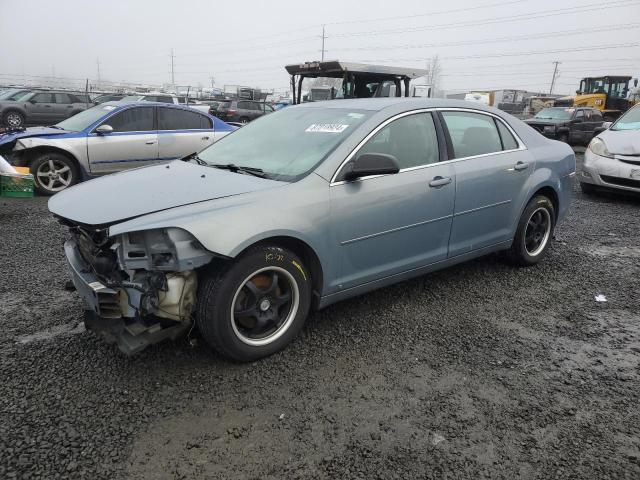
358, 80
612, 95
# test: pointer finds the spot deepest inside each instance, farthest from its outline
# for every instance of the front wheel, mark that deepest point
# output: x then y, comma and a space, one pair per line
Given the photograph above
534, 232
256, 306
53, 172
13, 119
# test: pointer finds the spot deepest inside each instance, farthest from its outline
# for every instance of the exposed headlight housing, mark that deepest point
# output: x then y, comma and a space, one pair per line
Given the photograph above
163, 249
598, 147
550, 129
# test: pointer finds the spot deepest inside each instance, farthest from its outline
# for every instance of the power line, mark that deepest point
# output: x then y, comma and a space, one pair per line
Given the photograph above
430, 14
508, 18
516, 38
515, 54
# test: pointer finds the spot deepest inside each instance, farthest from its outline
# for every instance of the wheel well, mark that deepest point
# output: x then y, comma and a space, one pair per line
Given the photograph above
551, 194
35, 152
307, 255
13, 109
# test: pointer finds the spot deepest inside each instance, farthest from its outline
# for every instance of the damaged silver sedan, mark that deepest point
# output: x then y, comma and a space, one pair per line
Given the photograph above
305, 207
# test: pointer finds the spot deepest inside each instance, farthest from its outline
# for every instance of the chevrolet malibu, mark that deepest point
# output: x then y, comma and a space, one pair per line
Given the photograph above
612, 160
305, 207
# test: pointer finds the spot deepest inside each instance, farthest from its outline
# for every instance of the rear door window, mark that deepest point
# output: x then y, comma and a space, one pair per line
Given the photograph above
178, 119
137, 119
63, 98
508, 140
43, 98
472, 133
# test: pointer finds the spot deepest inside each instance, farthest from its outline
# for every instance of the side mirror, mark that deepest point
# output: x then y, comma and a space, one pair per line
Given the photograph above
371, 164
104, 129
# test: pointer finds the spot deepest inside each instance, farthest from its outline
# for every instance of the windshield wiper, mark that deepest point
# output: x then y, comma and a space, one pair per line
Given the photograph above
56, 127
256, 172
194, 156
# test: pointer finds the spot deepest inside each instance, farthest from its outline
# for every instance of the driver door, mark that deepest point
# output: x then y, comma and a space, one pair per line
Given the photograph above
40, 108
133, 142
388, 224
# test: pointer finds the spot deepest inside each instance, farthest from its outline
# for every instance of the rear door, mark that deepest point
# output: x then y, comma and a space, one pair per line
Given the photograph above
491, 170
133, 142
181, 132
578, 127
63, 106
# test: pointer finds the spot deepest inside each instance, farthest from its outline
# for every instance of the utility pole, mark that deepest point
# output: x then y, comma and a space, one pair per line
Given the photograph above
555, 73
323, 37
173, 78
98, 65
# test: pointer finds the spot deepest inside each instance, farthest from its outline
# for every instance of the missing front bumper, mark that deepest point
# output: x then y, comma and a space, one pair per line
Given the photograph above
132, 336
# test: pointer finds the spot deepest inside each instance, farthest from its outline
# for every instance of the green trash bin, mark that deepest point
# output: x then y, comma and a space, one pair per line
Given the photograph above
16, 185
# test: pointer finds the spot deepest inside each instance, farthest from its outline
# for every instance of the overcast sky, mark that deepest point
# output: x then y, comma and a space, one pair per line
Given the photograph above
482, 44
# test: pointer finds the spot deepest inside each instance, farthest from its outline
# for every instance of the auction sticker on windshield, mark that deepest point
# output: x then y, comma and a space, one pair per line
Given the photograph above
327, 128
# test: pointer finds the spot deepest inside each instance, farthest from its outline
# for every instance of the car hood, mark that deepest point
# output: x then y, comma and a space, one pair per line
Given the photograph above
30, 132
622, 142
544, 121
133, 193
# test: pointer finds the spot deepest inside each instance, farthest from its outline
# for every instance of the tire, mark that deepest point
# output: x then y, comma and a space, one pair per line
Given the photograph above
534, 232
276, 309
13, 119
53, 172
244, 120
587, 188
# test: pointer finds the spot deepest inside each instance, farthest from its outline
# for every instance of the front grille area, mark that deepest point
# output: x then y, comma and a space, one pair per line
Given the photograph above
624, 182
95, 249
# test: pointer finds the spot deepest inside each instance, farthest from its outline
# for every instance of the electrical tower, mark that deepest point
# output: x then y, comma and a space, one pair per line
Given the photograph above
323, 37
173, 76
555, 73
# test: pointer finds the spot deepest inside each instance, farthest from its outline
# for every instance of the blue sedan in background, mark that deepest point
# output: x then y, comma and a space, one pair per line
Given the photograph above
108, 138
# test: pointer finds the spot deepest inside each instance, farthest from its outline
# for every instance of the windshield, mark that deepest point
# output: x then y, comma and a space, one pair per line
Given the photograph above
13, 95
82, 120
287, 144
555, 113
133, 98
628, 121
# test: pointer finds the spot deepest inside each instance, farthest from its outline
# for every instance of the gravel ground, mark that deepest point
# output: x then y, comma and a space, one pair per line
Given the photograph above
479, 371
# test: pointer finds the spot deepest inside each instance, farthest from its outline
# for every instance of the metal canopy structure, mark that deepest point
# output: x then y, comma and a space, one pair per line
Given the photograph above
353, 74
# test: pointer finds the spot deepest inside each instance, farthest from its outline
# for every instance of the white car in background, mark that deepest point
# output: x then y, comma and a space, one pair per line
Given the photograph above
166, 98
612, 160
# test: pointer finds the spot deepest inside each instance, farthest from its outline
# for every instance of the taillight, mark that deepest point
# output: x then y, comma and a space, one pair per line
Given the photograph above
231, 112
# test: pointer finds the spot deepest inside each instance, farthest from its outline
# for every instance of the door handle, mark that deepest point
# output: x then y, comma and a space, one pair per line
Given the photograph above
150, 142
521, 166
439, 181
205, 138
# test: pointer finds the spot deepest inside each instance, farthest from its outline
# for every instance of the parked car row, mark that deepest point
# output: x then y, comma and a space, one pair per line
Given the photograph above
108, 138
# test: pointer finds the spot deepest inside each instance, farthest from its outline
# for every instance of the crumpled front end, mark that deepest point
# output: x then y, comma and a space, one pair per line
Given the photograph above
140, 287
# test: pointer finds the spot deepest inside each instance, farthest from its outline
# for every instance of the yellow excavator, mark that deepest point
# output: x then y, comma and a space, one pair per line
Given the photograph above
612, 95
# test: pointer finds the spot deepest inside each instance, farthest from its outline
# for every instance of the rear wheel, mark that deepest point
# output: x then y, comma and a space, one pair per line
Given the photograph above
256, 306
53, 172
244, 120
534, 232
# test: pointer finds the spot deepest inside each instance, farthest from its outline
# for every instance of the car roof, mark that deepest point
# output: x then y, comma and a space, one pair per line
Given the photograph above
378, 104
124, 103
